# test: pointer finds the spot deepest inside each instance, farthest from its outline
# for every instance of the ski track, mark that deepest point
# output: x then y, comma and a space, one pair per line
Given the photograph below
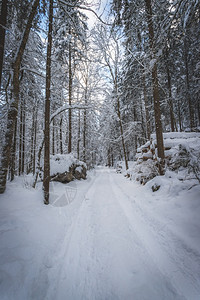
113, 249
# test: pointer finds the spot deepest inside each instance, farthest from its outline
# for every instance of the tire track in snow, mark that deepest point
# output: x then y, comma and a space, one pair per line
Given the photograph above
179, 263
127, 267
82, 276
54, 263
105, 259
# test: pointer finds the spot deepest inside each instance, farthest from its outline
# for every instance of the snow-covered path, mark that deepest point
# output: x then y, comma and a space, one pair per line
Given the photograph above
114, 249
115, 240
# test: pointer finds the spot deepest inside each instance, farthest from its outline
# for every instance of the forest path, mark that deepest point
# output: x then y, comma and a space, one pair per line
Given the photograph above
114, 249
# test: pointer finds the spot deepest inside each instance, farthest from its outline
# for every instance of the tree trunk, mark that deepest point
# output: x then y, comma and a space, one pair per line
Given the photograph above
191, 112
61, 142
13, 151
23, 136
112, 158
109, 158
179, 116
46, 178
122, 133
148, 130
85, 122
70, 99
38, 163
35, 140
84, 134
171, 109
57, 140
159, 132
32, 142
3, 17
20, 137
79, 135
198, 106
53, 137
13, 110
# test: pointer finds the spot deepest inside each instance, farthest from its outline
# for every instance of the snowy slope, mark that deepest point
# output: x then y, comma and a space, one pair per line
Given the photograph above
107, 238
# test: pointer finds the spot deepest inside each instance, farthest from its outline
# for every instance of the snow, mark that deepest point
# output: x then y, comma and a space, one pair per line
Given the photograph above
182, 151
173, 139
107, 238
61, 163
66, 107
179, 135
148, 155
79, 169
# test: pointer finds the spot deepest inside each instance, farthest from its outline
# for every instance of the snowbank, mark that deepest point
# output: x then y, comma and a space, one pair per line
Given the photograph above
61, 163
179, 202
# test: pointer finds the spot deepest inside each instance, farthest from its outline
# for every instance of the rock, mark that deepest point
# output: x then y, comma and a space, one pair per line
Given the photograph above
76, 171
65, 177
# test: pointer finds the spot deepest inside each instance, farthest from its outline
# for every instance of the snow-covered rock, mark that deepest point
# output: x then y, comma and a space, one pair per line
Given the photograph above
65, 168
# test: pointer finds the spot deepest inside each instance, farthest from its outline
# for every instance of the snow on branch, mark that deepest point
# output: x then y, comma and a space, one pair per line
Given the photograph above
67, 106
33, 71
84, 8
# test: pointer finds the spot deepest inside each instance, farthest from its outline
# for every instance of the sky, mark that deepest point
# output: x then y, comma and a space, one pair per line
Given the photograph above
101, 9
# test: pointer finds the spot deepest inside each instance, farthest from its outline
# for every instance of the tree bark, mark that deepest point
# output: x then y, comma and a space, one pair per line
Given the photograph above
84, 134
198, 107
70, 99
13, 151
23, 136
13, 110
191, 112
171, 109
85, 123
20, 137
148, 130
179, 116
30, 168
79, 135
61, 142
159, 132
35, 140
122, 133
3, 18
53, 137
46, 179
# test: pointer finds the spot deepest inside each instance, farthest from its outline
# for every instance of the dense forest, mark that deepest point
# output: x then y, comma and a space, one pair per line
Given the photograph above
100, 149
97, 91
